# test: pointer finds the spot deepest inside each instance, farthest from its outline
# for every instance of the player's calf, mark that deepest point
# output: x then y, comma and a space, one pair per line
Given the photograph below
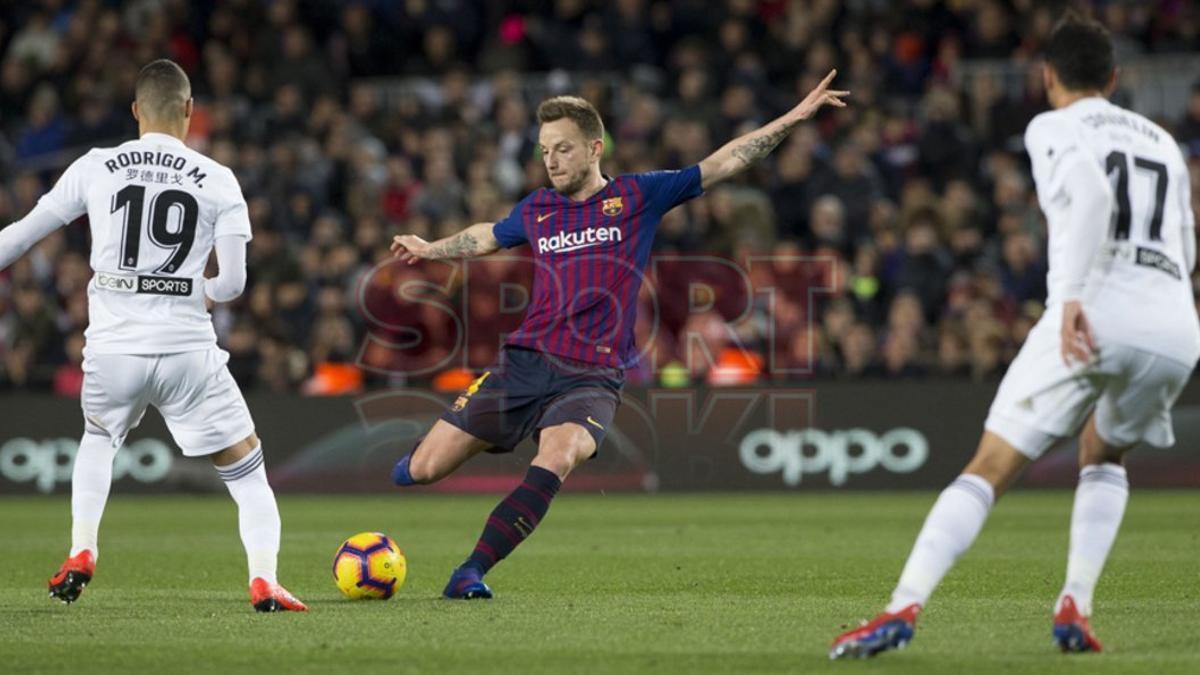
437, 455
72, 577
409, 470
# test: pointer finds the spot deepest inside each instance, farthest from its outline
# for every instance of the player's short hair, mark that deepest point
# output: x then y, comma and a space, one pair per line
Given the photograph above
576, 109
163, 90
1081, 52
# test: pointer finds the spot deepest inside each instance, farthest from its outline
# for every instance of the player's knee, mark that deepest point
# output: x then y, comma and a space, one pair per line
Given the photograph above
236, 451
1094, 454
997, 462
556, 460
1094, 450
564, 447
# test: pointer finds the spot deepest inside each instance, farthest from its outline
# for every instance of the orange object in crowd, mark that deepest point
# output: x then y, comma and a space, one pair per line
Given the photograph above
334, 379
735, 367
453, 380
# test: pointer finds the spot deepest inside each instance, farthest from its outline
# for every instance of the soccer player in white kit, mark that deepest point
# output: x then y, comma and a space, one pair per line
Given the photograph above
1107, 360
156, 210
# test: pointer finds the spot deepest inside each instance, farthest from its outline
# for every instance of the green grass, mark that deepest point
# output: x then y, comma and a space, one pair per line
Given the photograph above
733, 583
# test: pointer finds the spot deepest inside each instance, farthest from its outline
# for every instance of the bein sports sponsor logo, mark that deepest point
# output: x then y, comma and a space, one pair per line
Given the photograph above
143, 284
840, 453
165, 286
573, 241
116, 282
49, 462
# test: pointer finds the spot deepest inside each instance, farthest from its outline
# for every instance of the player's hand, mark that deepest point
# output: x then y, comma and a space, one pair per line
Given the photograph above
410, 248
1077, 339
820, 96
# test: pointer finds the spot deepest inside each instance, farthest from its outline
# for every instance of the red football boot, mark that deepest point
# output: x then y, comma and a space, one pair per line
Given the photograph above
269, 597
884, 632
1071, 630
73, 577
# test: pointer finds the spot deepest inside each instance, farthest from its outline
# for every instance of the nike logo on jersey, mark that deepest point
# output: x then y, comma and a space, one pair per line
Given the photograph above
595, 423
544, 216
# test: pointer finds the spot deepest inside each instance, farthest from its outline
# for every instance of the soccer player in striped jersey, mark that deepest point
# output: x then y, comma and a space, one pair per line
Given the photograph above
559, 376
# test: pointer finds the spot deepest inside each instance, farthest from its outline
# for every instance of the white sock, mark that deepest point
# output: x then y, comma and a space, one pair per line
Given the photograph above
90, 480
949, 529
258, 516
1100, 500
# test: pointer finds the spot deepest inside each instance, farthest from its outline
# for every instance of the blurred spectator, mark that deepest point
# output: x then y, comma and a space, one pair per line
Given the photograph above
46, 130
924, 262
34, 336
953, 359
1189, 128
68, 378
858, 352
904, 229
1022, 271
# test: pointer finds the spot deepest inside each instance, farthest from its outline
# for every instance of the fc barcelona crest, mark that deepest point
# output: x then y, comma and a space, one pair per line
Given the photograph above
612, 206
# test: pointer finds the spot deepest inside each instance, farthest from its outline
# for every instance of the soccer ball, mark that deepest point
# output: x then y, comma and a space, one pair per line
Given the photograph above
369, 565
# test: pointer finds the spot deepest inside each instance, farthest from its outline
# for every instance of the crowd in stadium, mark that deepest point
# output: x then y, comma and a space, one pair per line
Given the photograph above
347, 123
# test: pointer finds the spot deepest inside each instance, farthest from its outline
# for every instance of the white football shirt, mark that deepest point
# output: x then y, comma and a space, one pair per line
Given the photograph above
1138, 290
155, 207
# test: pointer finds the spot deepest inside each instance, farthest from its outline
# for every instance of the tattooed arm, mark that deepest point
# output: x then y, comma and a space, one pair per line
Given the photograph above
474, 241
745, 150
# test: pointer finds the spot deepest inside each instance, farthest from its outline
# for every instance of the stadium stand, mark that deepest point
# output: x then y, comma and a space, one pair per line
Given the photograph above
349, 122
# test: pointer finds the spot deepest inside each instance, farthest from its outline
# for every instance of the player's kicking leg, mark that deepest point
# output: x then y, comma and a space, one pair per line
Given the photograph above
241, 467
948, 532
439, 454
561, 448
1100, 499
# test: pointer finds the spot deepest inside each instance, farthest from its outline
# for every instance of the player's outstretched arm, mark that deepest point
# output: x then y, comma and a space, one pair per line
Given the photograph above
474, 241
19, 237
733, 157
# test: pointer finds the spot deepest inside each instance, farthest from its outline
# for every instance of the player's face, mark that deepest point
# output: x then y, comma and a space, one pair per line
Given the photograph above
568, 154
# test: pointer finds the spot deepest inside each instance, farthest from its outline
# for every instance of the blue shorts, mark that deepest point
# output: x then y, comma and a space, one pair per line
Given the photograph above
527, 391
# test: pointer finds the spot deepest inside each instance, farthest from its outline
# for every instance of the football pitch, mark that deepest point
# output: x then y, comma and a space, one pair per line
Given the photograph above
609, 583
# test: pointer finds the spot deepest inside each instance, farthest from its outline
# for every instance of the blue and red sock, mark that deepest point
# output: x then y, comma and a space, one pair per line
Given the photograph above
514, 518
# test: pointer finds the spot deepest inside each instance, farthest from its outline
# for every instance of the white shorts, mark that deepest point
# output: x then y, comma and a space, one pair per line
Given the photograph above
194, 392
1041, 399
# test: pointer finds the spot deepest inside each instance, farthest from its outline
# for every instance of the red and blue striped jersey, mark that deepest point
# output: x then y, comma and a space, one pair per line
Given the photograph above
590, 257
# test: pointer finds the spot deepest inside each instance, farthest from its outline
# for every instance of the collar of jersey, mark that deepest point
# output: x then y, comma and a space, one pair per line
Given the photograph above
608, 182
156, 137
1089, 101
